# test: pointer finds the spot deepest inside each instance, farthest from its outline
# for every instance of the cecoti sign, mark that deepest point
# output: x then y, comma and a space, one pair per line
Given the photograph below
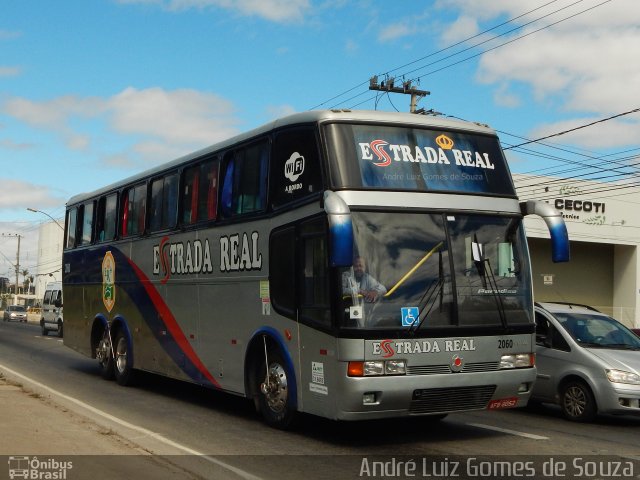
579, 205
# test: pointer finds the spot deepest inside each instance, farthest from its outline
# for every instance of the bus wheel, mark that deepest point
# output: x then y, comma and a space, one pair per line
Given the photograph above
103, 354
44, 331
274, 399
577, 402
123, 370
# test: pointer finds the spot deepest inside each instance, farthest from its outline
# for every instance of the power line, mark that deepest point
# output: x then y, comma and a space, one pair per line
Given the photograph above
564, 132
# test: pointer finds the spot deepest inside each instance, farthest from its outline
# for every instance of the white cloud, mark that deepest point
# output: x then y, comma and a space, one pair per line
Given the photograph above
395, 31
272, 10
157, 121
10, 71
176, 117
278, 111
583, 66
20, 195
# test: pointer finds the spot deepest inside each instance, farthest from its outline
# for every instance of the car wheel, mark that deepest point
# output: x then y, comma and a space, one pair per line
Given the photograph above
577, 402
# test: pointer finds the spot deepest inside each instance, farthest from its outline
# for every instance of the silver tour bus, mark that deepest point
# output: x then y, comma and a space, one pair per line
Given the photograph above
348, 264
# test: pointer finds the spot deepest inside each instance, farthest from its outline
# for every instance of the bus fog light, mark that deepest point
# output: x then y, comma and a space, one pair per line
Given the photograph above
524, 387
369, 398
395, 367
373, 368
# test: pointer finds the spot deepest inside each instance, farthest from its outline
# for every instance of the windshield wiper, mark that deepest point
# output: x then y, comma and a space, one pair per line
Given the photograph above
435, 289
493, 283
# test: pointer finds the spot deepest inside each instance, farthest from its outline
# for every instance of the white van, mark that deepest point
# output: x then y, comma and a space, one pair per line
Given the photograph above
52, 309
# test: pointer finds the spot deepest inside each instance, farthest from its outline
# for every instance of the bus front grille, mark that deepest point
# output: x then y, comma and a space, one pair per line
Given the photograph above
433, 400
444, 369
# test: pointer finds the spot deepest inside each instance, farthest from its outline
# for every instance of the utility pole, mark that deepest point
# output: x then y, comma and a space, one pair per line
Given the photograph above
17, 260
407, 89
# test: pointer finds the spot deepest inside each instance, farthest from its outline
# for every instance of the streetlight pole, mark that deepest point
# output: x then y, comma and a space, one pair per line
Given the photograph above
45, 213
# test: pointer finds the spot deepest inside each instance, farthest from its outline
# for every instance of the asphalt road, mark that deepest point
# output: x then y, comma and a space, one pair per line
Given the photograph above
200, 428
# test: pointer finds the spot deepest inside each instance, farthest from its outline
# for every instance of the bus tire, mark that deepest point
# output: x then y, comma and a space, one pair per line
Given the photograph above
274, 395
104, 356
122, 364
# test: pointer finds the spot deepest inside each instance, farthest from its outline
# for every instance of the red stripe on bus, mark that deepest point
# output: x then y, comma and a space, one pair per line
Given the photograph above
172, 325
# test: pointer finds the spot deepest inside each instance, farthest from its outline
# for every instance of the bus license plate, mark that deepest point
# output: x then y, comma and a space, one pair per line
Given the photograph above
502, 403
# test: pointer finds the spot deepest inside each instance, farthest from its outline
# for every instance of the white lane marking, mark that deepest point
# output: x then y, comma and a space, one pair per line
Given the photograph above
510, 432
241, 473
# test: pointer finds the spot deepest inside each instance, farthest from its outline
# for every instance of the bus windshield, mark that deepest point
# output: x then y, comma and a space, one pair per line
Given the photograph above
421, 271
383, 157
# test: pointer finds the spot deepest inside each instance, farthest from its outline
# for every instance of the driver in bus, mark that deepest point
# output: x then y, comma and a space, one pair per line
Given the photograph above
361, 282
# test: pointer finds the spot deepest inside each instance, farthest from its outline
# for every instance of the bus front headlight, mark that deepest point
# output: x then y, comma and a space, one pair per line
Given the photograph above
517, 360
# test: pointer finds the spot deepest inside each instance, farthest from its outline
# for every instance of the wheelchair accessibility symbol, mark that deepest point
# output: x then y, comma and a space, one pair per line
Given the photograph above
409, 315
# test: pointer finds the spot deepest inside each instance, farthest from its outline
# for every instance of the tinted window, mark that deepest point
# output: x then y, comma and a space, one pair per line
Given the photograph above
295, 161
86, 227
282, 271
244, 187
164, 203
133, 210
315, 298
106, 218
71, 224
200, 192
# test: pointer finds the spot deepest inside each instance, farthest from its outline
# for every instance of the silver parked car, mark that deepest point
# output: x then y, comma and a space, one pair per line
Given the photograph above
15, 312
587, 362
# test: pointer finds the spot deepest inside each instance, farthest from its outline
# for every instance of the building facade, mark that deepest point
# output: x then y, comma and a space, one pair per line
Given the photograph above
50, 241
604, 233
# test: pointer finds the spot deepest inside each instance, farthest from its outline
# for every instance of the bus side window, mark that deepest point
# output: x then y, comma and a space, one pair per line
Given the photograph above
244, 188
200, 193
86, 226
133, 210
71, 225
106, 218
164, 203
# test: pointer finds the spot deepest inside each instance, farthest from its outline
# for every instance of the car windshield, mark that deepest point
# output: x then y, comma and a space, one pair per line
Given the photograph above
17, 308
598, 331
418, 271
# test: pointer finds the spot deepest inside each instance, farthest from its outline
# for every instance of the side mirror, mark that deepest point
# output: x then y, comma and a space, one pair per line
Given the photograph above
555, 224
340, 230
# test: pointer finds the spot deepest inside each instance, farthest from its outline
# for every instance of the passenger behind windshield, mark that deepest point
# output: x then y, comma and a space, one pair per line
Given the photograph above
358, 281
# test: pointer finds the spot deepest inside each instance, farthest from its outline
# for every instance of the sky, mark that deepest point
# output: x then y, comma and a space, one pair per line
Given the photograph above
92, 92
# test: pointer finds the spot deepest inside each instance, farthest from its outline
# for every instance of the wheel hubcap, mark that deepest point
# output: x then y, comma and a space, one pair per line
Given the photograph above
275, 389
121, 355
575, 401
102, 352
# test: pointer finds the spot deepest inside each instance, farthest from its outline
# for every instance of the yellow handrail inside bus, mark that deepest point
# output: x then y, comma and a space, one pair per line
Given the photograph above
415, 267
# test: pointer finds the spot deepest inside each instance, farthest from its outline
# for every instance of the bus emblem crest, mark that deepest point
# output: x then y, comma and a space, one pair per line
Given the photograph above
108, 281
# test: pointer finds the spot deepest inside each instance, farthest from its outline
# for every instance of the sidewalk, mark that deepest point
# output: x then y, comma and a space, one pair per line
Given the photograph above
40, 438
